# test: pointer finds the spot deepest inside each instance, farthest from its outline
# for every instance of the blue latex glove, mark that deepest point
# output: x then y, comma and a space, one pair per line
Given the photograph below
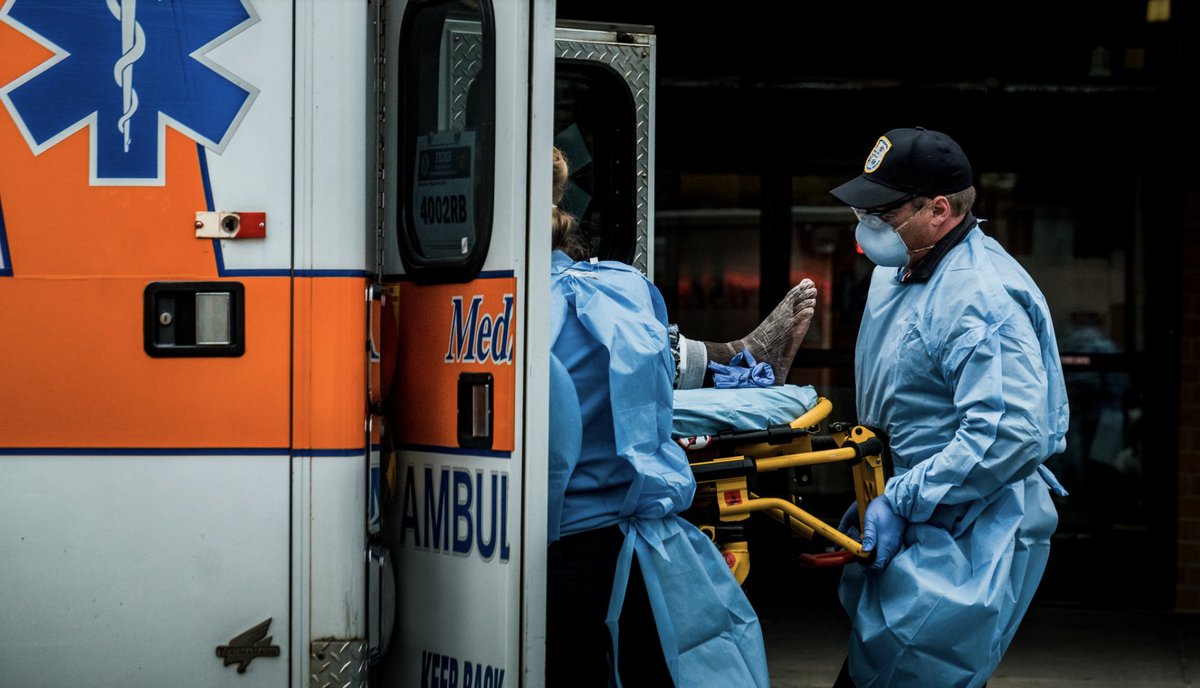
742, 371
882, 532
848, 526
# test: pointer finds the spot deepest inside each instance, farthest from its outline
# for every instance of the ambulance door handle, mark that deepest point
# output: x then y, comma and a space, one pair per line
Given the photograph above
183, 319
476, 400
376, 302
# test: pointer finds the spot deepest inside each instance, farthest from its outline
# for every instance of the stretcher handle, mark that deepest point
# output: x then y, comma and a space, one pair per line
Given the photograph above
814, 415
822, 528
841, 558
812, 458
773, 435
852, 452
827, 559
796, 526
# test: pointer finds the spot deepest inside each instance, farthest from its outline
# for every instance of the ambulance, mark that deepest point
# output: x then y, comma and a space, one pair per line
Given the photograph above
274, 278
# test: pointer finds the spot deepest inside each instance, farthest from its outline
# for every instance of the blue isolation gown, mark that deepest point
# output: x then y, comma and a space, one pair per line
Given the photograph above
963, 376
608, 332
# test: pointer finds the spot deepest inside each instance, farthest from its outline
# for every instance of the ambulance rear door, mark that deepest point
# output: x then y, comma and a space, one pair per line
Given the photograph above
467, 265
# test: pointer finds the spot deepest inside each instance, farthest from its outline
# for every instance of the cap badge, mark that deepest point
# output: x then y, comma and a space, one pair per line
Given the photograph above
882, 146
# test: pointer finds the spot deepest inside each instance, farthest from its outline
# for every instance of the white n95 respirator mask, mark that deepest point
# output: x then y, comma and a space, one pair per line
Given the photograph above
882, 242
882, 245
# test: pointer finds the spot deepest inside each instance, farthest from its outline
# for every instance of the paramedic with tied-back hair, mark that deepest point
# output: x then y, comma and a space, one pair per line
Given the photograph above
632, 586
956, 363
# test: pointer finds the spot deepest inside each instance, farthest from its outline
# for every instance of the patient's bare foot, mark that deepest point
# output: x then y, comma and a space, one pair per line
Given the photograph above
777, 338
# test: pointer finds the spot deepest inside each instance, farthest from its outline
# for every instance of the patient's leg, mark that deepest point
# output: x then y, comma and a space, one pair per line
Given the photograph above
777, 338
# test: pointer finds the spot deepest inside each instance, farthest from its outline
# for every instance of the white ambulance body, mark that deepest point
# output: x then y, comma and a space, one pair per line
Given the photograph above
273, 343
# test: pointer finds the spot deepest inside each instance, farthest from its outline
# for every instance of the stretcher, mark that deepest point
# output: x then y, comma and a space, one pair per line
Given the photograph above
725, 465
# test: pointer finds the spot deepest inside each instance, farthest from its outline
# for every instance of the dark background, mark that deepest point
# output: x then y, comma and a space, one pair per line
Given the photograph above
1084, 102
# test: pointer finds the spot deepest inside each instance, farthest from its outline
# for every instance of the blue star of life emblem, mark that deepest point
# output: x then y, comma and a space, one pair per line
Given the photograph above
125, 69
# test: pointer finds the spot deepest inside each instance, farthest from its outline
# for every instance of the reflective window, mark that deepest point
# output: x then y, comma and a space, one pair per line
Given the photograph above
594, 124
1073, 248
448, 110
707, 253
1078, 240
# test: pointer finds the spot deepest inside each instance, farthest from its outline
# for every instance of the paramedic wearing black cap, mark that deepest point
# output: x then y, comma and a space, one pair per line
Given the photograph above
956, 363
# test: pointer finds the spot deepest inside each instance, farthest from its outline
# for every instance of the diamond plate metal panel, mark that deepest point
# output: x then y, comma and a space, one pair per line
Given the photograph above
338, 664
466, 59
633, 62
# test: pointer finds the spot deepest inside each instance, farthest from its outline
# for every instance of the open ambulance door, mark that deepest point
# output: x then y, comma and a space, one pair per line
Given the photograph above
604, 125
473, 109
466, 268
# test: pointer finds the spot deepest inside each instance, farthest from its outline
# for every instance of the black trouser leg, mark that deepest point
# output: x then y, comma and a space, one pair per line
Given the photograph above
580, 570
641, 658
579, 580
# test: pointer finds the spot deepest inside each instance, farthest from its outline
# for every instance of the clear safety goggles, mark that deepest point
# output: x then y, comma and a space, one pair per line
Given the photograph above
881, 219
873, 221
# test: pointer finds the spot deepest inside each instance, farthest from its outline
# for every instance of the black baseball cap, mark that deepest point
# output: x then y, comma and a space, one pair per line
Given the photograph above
904, 163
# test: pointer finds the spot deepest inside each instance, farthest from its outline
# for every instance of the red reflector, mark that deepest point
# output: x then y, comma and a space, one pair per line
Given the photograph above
733, 497
254, 226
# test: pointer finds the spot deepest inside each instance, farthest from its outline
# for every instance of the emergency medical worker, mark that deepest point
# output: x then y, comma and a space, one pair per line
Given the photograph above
956, 362
632, 586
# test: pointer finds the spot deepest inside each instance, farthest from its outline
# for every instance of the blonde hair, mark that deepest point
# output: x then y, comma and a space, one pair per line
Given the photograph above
562, 173
565, 233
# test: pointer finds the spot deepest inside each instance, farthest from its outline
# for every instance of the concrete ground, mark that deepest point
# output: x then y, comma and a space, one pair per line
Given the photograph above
1055, 648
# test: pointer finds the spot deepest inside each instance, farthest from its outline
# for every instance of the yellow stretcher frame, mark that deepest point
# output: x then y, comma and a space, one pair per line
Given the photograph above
856, 445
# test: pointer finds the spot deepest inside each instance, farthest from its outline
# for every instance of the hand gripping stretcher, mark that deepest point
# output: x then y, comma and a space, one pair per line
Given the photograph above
725, 466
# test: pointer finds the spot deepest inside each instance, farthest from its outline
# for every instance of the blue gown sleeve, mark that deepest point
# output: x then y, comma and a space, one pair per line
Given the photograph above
1001, 396
628, 317
566, 438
